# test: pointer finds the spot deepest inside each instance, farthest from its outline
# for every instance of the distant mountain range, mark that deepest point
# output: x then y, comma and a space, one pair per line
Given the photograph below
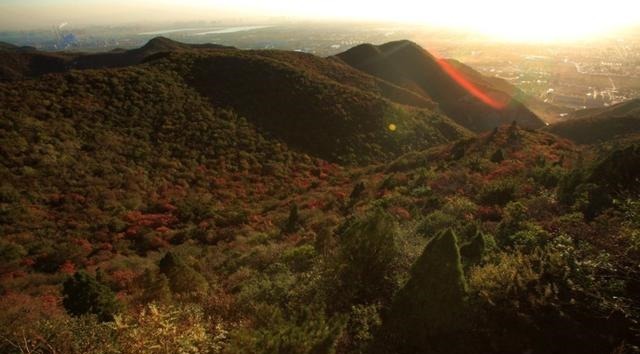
11, 47
320, 106
393, 83
23, 62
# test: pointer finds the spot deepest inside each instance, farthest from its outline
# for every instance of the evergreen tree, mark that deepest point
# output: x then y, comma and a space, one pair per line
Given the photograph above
368, 257
514, 136
83, 294
324, 240
497, 156
156, 287
293, 222
473, 251
357, 191
170, 262
430, 307
183, 279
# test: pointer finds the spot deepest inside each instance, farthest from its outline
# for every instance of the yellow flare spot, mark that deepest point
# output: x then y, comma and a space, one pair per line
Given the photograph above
392, 127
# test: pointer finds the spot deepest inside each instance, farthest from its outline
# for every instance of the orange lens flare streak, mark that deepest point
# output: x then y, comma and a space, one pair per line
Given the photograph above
461, 80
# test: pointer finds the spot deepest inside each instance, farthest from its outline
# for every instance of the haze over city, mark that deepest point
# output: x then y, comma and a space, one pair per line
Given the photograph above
544, 20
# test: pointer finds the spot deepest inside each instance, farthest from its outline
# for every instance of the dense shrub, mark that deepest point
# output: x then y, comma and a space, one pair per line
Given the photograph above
473, 251
367, 259
293, 220
305, 332
363, 322
548, 176
183, 279
118, 169
83, 294
158, 329
498, 193
301, 258
455, 214
10, 252
497, 156
155, 287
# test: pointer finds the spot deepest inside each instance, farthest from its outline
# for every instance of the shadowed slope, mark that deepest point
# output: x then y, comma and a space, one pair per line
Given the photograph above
17, 63
546, 111
321, 106
288, 97
337, 70
476, 106
137, 56
10, 47
602, 124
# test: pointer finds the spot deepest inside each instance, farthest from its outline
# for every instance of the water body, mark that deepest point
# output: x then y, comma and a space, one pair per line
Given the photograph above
232, 30
175, 30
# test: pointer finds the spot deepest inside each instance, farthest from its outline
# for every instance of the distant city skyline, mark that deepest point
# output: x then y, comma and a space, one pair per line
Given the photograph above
541, 20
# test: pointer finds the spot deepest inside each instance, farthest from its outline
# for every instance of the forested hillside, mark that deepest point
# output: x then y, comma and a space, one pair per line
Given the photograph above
311, 111
462, 93
213, 200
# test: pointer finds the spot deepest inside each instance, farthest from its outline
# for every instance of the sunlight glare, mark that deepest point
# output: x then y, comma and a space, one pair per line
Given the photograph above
540, 20
523, 20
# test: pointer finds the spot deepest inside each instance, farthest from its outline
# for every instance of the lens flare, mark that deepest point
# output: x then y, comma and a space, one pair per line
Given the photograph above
464, 82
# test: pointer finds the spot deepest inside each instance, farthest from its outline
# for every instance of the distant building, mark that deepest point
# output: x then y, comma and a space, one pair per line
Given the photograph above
67, 41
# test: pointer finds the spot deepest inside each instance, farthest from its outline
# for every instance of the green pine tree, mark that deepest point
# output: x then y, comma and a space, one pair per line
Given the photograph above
473, 251
156, 287
183, 279
497, 156
293, 222
357, 191
431, 305
83, 294
368, 257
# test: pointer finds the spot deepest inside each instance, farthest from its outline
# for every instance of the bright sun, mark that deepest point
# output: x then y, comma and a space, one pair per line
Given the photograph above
516, 20
513, 20
525, 20
553, 20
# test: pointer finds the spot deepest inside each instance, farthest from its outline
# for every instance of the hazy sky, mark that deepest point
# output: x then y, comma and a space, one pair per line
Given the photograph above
514, 19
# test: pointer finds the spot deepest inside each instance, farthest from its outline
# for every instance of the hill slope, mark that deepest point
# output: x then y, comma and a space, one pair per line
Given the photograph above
129, 162
602, 124
475, 106
320, 106
309, 109
24, 62
18, 64
546, 111
15, 48
138, 55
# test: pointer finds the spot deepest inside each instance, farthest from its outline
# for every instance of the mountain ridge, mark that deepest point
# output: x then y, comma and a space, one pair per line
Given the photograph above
309, 109
18, 63
408, 65
601, 124
433, 89
287, 95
